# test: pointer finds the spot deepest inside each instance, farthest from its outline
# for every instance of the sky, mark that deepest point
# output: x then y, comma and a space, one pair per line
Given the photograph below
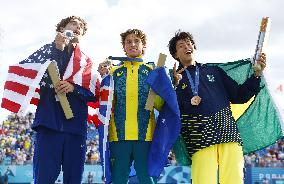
224, 30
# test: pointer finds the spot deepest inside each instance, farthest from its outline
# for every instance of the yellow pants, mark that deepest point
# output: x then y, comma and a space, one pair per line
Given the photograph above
227, 157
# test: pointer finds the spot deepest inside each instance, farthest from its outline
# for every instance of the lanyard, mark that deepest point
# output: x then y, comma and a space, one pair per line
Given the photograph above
193, 85
126, 59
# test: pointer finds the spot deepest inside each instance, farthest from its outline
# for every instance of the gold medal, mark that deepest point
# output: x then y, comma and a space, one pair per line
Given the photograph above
195, 100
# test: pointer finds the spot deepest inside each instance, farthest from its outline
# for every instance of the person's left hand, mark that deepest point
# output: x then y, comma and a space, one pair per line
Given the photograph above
261, 62
104, 67
64, 87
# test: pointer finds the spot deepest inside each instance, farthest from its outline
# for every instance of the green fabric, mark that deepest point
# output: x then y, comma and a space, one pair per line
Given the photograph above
122, 153
181, 153
260, 124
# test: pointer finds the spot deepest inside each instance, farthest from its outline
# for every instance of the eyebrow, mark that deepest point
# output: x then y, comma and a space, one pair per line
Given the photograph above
181, 43
79, 22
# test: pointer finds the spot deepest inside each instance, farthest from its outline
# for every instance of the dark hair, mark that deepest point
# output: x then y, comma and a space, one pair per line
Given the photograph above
138, 33
65, 21
179, 35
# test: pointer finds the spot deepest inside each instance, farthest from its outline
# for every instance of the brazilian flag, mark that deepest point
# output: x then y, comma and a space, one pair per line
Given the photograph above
258, 120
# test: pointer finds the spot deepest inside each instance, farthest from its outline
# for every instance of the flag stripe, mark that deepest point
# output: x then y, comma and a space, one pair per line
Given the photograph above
30, 73
77, 60
77, 78
13, 96
9, 105
34, 101
16, 78
87, 74
16, 87
95, 84
69, 69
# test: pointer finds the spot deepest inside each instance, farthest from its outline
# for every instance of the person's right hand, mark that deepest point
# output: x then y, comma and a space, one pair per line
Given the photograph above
61, 41
177, 74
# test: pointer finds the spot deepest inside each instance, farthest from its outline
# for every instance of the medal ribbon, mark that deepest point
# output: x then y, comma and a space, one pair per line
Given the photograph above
126, 59
194, 85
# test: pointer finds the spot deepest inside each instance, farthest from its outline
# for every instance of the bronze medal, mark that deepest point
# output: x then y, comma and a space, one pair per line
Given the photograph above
195, 100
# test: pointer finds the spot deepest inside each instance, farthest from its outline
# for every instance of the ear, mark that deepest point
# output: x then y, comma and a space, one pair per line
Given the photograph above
175, 56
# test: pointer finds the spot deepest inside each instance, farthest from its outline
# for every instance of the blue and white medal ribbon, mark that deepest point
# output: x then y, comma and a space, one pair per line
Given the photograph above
195, 100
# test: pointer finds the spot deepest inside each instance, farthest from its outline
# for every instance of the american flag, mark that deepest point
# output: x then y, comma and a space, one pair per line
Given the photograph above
24, 80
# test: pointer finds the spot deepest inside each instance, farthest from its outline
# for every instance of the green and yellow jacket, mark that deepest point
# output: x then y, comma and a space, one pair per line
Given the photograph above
130, 120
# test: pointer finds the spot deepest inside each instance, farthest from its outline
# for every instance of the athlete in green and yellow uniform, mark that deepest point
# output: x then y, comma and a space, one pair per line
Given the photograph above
131, 126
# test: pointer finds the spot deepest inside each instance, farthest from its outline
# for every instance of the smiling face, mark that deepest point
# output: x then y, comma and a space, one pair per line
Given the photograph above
185, 52
133, 46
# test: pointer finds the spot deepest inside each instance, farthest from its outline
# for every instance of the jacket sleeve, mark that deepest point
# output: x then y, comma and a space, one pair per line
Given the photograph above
86, 94
240, 93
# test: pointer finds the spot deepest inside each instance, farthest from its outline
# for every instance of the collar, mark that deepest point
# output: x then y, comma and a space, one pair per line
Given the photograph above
189, 67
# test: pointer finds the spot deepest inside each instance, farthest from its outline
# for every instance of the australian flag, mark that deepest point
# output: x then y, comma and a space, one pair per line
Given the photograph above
168, 123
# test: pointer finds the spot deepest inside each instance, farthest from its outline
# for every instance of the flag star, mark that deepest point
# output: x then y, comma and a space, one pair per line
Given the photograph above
35, 54
42, 83
163, 120
45, 75
49, 51
50, 85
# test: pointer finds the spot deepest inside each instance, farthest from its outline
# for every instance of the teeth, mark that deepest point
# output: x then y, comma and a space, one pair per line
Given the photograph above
188, 52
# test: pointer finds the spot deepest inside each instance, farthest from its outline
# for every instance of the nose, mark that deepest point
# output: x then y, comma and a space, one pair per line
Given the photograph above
78, 27
132, 44
188, 47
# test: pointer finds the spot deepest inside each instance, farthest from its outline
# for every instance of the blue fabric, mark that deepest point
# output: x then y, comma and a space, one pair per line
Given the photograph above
216, 89
168, 123
53, 149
